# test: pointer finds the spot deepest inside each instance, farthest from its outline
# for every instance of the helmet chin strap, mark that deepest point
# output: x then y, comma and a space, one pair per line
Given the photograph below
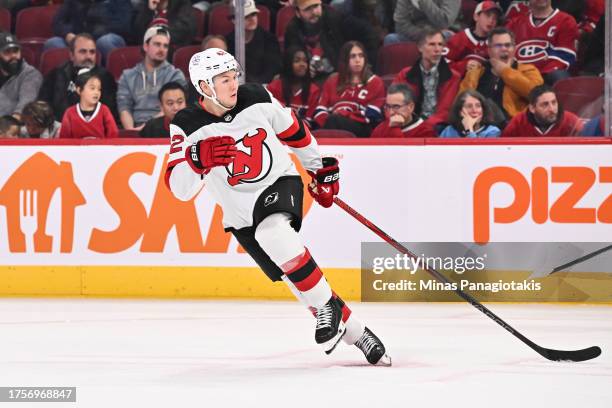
214, 98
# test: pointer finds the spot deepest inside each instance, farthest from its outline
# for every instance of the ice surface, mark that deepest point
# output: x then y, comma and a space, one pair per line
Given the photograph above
133, 353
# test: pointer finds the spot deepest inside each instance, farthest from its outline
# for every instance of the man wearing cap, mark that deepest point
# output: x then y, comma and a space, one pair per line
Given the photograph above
177, 15
137, 92
471, 44
262, 52
19, 81
58, 87
323, 31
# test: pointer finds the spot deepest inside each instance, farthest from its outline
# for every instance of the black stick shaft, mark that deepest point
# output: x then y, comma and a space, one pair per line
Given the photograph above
557, 355
582, 259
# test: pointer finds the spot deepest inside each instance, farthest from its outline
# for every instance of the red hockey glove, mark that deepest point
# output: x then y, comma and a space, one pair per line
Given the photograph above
325, 184
208, 153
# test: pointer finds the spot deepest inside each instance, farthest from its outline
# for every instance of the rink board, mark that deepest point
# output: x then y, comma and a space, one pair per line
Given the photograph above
111, 228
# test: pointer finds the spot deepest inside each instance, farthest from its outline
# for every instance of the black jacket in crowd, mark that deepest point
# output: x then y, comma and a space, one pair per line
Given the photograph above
59, 91
262, 55
96, 17
181, 22
336, 29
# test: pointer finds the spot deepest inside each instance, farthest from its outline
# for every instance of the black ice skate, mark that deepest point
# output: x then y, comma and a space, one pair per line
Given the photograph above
373, 349
330, 327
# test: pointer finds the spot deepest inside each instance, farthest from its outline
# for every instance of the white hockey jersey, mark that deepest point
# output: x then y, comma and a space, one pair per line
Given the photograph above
262, 129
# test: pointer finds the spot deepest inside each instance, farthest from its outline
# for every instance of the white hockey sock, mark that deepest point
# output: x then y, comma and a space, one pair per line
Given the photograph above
283, 245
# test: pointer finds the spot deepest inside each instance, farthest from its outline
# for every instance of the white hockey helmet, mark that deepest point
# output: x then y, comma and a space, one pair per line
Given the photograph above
207, 64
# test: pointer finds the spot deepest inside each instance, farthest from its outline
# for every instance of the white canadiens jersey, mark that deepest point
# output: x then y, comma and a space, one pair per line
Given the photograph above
262, 129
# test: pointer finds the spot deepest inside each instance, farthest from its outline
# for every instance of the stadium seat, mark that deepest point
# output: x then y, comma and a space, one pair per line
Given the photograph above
5, 20
35, 23
182, 56
123, 58
29, 56
57, 56
467, 11
283, 17
332, 134
200, 17
581, 95
388, 79
219, 22
393, 57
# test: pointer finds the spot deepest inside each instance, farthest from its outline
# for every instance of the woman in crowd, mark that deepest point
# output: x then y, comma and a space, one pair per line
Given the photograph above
352, 98
470, 116
295, 87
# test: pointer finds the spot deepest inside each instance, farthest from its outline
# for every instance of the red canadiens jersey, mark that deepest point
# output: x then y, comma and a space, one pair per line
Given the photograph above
550, 45
262, 129
465, 46
418, 128
101, 124
361, 103
303, 111
522, 126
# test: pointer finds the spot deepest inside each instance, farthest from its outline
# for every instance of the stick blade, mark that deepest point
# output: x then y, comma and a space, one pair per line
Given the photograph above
571, 355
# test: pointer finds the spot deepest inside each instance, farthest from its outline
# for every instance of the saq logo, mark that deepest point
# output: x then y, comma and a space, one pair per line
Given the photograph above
534, 193
28, 192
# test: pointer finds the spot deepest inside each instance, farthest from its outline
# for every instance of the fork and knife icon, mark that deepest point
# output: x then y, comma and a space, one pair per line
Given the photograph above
28, 216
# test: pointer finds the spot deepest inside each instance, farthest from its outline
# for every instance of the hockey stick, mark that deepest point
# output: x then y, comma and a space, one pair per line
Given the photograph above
581, 259
550, 354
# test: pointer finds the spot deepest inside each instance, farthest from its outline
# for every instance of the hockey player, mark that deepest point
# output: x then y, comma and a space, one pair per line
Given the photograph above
233, 142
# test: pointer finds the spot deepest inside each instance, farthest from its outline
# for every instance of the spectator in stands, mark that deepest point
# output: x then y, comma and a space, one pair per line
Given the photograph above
471, 117
351, 99
262, 52
470, 45
433, 82
502, 79
295, 88
58, 85
176, 15
595, 127
9, 127
214, 41
107, 21
39, 121
412, 17
544, 117
594, 56
89, 117
19, 81
323, 31
400, 118
546, 37
172, 99
138, 88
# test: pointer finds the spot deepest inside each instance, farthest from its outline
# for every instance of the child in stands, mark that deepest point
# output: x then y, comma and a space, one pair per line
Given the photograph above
89, 118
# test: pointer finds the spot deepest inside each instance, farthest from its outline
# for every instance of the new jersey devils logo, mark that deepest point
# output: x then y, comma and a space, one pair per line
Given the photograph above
253, 161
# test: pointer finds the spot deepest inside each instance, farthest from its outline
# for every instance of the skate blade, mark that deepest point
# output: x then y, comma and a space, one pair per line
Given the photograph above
330, 345
385, 361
